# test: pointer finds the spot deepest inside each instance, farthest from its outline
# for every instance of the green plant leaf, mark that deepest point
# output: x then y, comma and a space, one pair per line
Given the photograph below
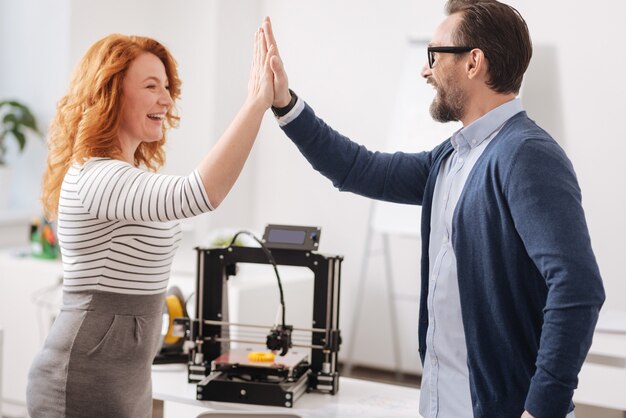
27, 118
10, 118
16, 119
21, 138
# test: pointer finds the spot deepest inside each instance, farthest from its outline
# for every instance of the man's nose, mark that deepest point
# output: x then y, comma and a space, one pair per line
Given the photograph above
426, 71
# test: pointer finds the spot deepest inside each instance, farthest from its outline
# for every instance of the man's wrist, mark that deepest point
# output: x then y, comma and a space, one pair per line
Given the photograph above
282, 111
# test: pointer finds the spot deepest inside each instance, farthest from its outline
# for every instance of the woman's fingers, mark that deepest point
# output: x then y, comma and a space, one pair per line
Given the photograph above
269, 33
262, 45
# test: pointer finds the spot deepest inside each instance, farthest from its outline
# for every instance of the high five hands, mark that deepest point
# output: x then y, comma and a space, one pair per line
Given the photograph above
268, 84
282, 97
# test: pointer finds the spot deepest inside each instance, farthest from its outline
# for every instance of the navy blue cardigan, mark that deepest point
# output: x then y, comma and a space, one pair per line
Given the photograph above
529, 283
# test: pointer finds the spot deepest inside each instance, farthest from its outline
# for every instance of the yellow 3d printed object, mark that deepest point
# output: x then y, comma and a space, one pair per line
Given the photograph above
261, 356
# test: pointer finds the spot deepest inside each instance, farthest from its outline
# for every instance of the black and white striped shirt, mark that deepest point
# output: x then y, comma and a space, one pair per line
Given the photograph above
118, 228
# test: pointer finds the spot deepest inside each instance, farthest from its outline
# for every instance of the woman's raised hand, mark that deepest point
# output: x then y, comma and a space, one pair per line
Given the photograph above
261, 82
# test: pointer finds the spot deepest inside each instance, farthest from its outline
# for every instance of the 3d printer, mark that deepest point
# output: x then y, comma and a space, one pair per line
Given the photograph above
264, 378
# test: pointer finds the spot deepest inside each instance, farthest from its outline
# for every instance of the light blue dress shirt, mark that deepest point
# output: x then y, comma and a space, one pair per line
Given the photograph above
445, 390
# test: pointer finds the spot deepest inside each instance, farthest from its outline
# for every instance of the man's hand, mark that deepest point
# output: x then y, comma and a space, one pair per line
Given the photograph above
282, 97
526, 414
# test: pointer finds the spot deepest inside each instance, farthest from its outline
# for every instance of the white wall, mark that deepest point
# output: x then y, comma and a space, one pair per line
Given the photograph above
34, 49
344, 57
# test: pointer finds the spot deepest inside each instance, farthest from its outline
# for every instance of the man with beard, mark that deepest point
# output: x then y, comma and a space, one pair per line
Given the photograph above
511, 290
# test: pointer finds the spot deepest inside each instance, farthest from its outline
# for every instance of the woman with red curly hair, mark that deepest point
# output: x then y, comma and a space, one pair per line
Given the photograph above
118, 221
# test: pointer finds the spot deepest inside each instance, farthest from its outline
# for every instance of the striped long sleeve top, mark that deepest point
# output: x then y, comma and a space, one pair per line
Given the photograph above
118, 225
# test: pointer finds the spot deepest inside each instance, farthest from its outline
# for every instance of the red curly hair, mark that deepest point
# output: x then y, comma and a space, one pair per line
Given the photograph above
87, 118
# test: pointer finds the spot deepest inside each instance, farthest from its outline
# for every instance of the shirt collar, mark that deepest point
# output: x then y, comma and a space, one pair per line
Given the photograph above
484, 127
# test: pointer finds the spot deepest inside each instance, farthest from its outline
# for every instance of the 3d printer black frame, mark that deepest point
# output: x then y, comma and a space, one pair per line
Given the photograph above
214, 267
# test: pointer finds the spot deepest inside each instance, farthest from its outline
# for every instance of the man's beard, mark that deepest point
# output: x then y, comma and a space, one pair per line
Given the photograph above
448, 105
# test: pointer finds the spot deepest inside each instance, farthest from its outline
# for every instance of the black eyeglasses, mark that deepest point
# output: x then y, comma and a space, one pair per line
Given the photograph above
447, 50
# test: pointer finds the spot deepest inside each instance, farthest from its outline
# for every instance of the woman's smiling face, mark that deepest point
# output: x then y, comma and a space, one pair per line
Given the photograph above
146, 101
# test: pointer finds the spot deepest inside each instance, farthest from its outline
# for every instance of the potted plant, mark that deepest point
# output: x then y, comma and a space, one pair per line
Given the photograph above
16, 120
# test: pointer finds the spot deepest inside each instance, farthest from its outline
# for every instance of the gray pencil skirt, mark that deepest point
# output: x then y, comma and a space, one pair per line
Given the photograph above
96, 361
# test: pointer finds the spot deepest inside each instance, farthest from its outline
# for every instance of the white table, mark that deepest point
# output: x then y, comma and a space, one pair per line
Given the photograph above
29, 289
355, 398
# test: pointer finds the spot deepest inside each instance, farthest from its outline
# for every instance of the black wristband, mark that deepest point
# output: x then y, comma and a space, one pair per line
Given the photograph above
282, 111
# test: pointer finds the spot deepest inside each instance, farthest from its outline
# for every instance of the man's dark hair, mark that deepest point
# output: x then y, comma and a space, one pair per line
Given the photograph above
501, 33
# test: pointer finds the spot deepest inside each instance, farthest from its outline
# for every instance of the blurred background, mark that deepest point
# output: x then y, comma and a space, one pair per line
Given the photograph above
357, 63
